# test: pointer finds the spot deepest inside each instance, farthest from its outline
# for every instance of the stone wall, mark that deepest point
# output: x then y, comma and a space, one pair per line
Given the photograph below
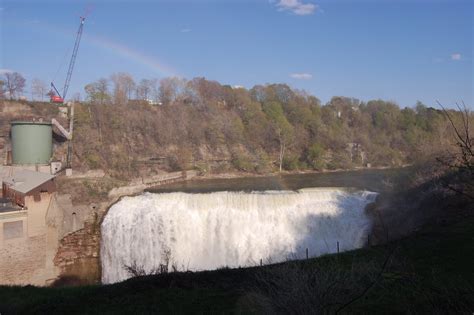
79, 254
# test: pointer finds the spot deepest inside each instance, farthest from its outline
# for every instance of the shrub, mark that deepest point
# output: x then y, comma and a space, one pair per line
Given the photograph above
173, 163
315, 156
296, 288
290, 162
242, 163
202, 167
93, 160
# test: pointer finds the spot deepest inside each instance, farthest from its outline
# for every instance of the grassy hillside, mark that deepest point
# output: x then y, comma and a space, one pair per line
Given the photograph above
429, 272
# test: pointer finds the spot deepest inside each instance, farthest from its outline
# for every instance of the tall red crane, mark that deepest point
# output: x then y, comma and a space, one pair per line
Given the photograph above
56, 97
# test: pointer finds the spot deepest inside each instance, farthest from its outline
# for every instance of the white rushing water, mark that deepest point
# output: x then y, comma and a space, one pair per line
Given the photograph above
208, 231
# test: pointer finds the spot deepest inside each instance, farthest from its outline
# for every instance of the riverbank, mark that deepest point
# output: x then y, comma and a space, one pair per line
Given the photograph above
428, 272
241, 174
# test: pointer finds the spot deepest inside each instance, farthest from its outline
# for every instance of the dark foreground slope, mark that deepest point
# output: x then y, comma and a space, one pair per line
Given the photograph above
428, 272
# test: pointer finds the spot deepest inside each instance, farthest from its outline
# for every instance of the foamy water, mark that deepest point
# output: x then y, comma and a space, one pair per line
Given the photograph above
208, 231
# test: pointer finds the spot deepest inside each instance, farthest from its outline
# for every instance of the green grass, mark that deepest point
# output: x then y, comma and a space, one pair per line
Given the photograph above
437, 273
429, 272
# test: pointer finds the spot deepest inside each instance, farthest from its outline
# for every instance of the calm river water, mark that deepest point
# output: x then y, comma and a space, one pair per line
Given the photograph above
369, 179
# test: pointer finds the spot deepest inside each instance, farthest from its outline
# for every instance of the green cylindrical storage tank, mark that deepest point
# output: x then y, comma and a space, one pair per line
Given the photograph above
32, 142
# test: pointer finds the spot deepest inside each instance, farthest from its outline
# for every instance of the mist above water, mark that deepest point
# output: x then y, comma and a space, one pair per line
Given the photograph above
208, 231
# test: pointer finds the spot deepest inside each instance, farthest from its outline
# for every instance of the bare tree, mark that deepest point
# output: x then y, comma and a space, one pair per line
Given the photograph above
144, 89
285, 135
98, 92
38, 89
170, 89
136, 270
103, 89
123, 87
205, 91
2, 89
130, 86
15, 83
461, 160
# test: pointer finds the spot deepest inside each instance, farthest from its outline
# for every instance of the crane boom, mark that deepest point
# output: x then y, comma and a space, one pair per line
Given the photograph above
73, 58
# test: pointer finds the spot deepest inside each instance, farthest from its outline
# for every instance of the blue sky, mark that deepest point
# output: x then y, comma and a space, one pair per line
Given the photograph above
402, 51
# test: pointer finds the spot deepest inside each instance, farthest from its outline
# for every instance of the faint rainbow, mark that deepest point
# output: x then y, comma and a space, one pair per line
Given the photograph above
131, 54
112, 46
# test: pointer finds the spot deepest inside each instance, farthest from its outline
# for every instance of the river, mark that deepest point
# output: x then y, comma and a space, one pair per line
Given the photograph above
367, 179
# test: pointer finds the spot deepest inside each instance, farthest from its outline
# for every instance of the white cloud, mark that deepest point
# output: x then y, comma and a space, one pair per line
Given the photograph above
185, 30
456, 56
301, 76
297, 7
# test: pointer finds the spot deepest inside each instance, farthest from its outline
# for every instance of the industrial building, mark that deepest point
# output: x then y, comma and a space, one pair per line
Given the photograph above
30, 171
31, 192
30, 218
27, 187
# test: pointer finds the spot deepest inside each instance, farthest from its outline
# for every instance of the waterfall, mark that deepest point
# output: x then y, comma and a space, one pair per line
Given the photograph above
213, 230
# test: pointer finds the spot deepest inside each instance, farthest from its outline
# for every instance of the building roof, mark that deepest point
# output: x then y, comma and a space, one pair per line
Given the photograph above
25, 181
